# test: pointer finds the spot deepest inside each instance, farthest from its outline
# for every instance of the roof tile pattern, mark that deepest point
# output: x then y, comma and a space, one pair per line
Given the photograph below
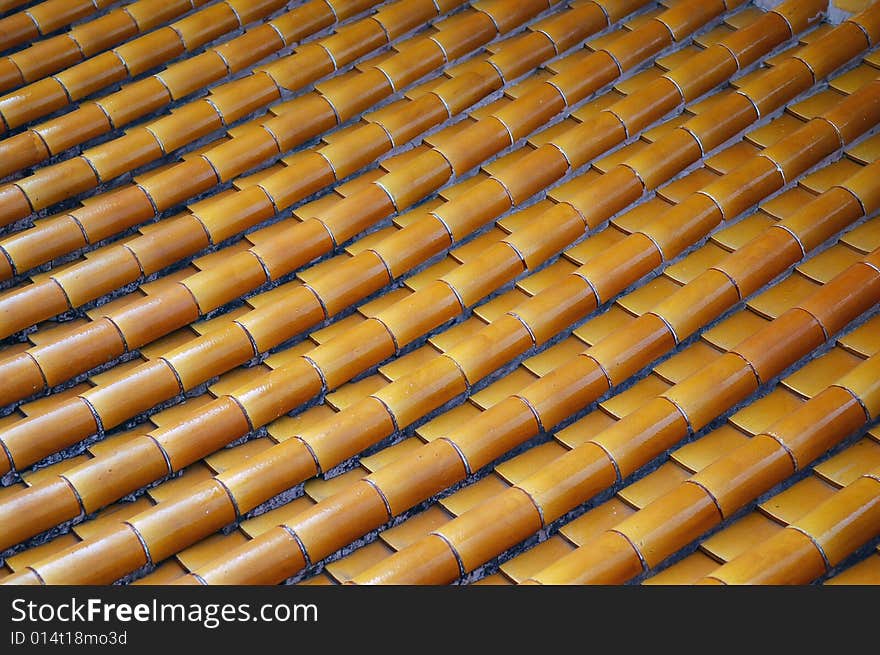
422, 292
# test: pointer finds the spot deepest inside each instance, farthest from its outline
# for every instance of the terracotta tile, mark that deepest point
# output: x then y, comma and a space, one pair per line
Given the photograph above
713, 36
817, 374
346, 568
167, 343
536, 559
698, 454
652, 486
764, 412
472, 495
590, 109
116, 373
740, 536
843, 468
549, 134
415, 527
590, 525
684, 572
207, 327
799, 499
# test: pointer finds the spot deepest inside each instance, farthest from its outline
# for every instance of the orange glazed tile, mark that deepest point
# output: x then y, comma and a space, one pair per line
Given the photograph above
652, 486
319, 489
506, 386
740, 536
684, 572
585, 429
590, 525
630, 400
388, 455
783, 296
207, 550
845, 467
864, 341
865, 238
866, 572
346, 568
472, 495
764, 412
415, 527
801, 498
522, 466
817, 374
536, 559
264, 522
498, 82
698, 454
